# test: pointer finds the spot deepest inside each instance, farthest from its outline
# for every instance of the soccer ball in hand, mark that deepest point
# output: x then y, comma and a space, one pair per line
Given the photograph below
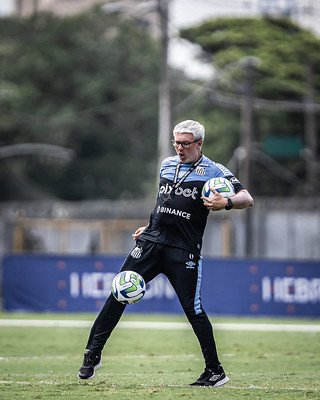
128, 287
221, 185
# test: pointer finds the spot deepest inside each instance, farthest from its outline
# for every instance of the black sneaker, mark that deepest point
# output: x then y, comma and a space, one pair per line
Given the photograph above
90, 364
211, 378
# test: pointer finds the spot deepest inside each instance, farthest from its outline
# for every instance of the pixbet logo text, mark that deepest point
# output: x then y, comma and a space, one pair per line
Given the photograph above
167, 189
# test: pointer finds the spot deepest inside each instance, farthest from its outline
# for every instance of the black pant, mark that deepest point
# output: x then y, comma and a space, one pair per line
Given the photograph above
183, 269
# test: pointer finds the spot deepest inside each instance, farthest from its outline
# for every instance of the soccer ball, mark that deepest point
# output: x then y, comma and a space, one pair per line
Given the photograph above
128, 287
221, 185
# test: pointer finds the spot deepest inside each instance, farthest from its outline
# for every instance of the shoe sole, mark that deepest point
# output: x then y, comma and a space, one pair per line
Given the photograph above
94, 369
219, 383
222, 382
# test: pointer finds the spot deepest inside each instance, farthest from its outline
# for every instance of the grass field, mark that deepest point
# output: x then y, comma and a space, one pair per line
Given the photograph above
42, 362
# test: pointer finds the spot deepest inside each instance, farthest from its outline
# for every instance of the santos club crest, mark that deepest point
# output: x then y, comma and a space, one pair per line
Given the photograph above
136, 252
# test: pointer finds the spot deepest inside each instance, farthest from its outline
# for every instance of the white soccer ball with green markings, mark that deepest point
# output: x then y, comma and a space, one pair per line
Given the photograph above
221, 185
128, 287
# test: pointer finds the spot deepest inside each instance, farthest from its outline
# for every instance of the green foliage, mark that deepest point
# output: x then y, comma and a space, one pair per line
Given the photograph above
283, 48
87, 82
285, 52
90, 82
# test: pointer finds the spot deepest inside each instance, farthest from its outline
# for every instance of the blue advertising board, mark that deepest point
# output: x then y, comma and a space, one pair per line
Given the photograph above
229, 286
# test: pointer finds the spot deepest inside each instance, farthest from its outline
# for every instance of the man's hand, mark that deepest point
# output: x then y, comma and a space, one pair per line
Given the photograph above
215, 203
138, 232
240, 200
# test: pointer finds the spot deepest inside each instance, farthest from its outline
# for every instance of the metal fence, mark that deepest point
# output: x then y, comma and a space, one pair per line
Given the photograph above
273, 228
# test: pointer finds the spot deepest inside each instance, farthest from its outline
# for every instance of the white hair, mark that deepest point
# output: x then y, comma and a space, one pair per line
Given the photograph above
190, 126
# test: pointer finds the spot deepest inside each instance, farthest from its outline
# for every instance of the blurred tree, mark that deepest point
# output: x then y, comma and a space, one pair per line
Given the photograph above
87, 82
90, 83
285, 51
283, 48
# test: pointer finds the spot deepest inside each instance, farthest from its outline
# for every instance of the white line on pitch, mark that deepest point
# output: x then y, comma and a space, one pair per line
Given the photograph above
11, 382
163, 325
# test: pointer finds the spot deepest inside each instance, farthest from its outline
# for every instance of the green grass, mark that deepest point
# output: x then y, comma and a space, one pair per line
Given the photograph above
42, 363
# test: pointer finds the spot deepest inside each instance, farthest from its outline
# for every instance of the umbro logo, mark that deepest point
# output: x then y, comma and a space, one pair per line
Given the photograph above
190, 264
214, 378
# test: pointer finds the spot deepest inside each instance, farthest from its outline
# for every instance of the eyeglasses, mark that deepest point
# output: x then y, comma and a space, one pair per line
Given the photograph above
185, 145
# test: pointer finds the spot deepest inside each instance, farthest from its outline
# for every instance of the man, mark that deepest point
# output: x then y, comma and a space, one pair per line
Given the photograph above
171, 244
